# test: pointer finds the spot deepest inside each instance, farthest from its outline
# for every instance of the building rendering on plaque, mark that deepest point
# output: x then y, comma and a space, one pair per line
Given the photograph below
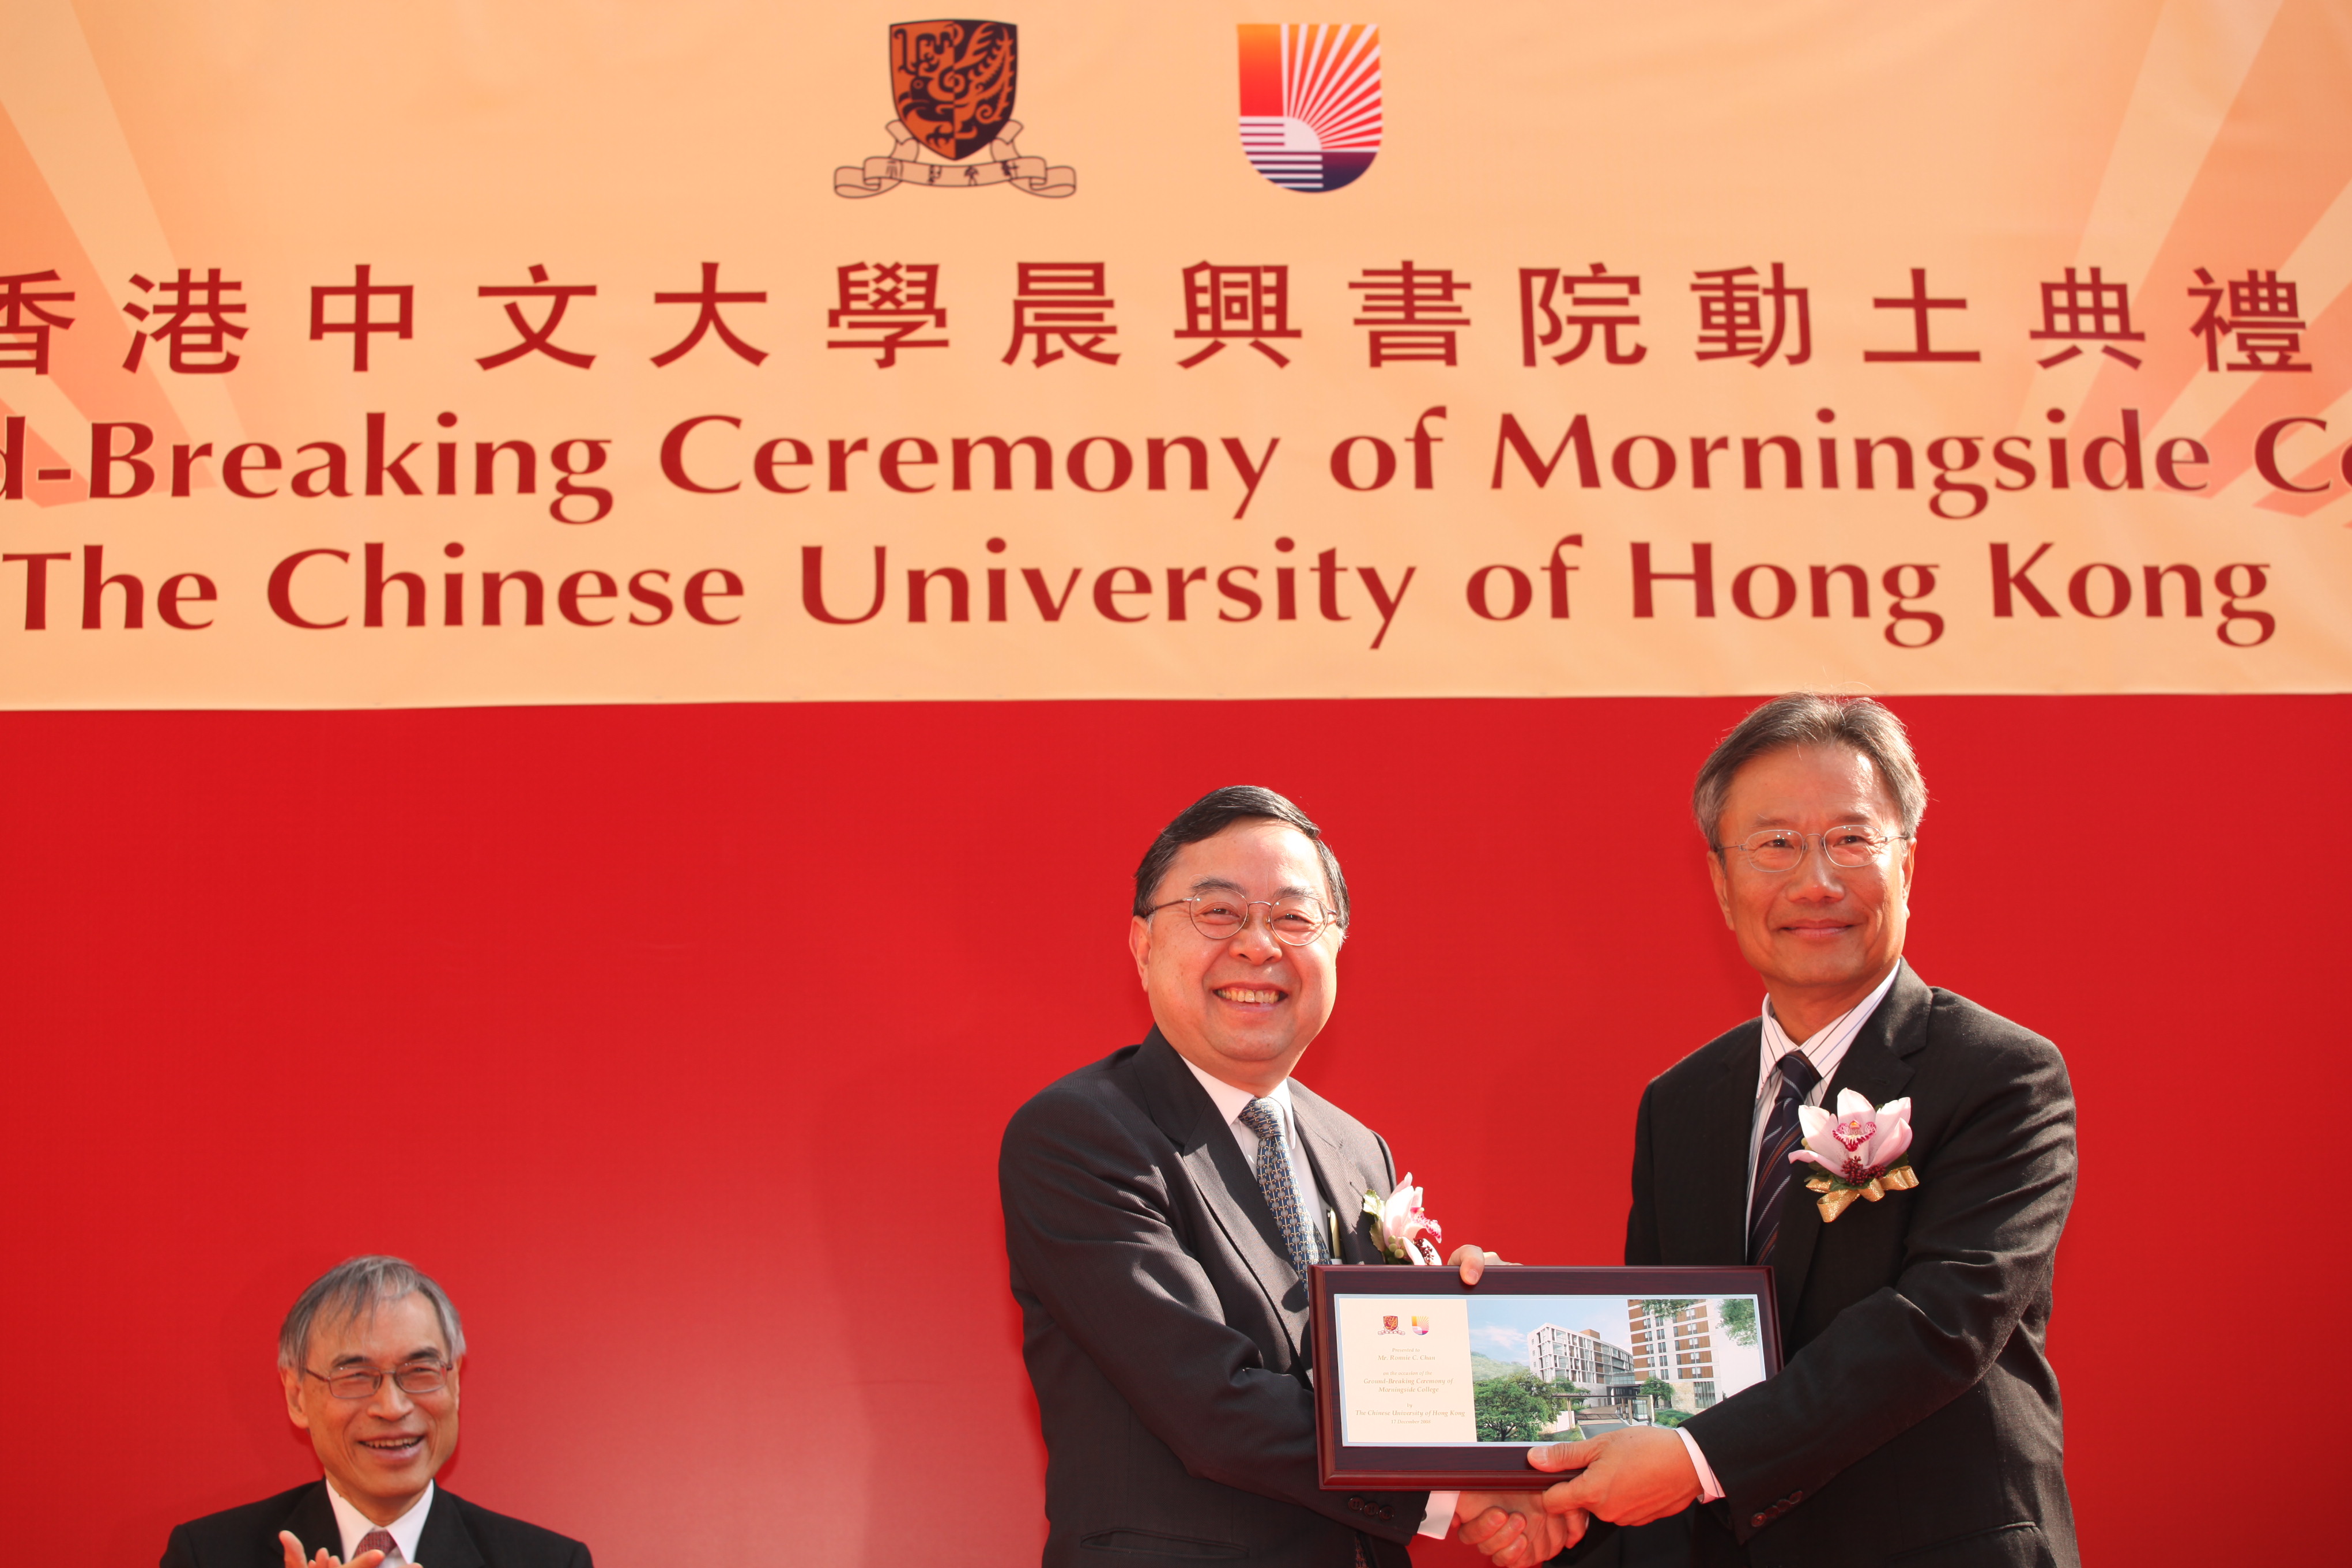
1673, 1341
1581, 1357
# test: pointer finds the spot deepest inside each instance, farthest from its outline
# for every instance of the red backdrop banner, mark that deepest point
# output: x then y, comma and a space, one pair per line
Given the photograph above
677, 1041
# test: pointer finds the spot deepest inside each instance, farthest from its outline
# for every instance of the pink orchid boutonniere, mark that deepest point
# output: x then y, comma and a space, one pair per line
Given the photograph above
1400, 1227
1860, 1152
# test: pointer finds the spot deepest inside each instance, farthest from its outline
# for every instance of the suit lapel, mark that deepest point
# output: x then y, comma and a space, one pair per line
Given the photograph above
1228, 1187
312, 1521
1874, 1067
1714, 1163
445, 1542
1341, 1179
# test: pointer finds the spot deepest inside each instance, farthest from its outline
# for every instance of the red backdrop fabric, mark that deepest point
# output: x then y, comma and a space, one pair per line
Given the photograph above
676, 1042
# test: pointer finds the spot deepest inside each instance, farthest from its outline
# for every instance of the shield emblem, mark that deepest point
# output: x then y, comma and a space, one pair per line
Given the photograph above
953, 81
1310, 116
1388, 1322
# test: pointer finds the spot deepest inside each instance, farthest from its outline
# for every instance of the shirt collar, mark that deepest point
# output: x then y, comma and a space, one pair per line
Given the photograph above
355, 1525
1828, 1045
1232, 1101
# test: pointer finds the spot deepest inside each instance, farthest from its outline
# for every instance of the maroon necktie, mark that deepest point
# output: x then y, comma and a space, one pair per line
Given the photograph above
380, 1541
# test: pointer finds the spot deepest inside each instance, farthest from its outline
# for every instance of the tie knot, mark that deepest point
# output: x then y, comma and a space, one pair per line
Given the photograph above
1263, 1117
1796, 1072
380, 1541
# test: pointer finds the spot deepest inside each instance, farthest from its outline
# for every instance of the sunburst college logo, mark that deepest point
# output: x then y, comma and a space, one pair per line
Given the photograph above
1310, 101
951, 81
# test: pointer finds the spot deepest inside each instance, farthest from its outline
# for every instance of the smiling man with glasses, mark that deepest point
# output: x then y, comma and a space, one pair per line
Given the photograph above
369, 1359
1915, 1419
1161, 1209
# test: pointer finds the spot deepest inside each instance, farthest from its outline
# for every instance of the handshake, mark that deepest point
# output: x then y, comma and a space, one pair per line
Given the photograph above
1629, 1477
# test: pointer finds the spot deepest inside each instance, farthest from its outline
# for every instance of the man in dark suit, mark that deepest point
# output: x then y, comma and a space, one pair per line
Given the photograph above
370, 1357
1916, 1420
1163, 1205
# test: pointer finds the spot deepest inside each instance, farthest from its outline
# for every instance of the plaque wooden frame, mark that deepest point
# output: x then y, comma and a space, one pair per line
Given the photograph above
1487, 1466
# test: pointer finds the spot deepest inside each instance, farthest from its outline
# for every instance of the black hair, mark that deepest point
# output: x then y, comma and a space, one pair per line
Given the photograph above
1212, 814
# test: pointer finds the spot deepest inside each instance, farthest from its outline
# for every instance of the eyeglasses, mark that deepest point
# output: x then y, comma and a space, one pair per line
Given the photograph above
360, 1382
1852, 845
1295, 921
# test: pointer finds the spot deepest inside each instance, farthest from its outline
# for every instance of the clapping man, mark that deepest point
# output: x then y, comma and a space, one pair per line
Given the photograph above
369, 1359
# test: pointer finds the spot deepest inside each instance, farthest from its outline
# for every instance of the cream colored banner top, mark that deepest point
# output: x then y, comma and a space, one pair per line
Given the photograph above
514, 352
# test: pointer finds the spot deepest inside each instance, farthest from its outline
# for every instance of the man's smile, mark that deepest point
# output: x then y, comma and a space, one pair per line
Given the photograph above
1250, 994
399, 1447
1818, 929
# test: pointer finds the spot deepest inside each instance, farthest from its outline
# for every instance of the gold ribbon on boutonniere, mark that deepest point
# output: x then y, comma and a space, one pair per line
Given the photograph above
1835, 1198
1860, 1152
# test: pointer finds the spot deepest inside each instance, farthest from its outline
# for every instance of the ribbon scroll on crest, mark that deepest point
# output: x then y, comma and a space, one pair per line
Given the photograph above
1004, 166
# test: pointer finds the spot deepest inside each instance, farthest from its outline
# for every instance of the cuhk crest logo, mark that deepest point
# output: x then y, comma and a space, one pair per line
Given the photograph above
1310, 101
952, 80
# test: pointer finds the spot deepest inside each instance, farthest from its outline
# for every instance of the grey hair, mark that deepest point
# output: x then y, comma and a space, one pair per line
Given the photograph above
1859, 725
357, 1286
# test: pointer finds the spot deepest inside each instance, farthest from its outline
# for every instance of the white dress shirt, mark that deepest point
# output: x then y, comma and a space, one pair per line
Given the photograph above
1826, 1049
355, 1525
1231, 1103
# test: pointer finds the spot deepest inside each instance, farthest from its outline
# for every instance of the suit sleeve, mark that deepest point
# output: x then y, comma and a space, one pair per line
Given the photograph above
1992, 1199
177, 1551
1642, 1218
1091, 1231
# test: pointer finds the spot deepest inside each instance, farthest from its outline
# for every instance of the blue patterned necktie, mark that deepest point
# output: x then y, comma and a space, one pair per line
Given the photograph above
1264, 1117
1782, 1133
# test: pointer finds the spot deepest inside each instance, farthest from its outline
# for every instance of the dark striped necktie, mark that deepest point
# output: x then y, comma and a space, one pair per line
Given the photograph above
1782, 1133
380, 1541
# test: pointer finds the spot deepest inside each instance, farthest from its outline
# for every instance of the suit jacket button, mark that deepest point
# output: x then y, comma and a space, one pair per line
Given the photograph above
1356, 1503
1387, 1512
1795, 1498
1758, 1521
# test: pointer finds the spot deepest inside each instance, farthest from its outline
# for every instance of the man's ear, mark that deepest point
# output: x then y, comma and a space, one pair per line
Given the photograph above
1719, 873
1138, 942
292, 1379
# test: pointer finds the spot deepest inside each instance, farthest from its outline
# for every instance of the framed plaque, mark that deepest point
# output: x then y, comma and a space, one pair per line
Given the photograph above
1423, 1382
